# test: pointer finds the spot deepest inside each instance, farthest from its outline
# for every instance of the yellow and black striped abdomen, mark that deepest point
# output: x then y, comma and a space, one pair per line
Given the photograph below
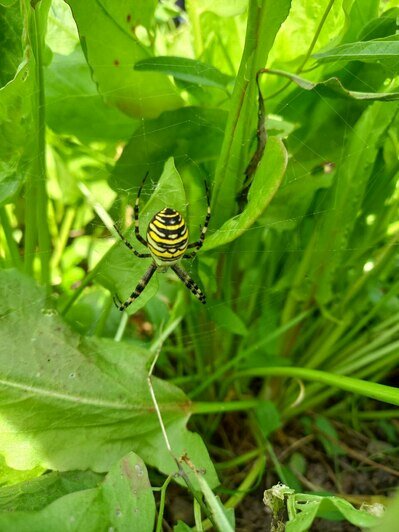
167, 236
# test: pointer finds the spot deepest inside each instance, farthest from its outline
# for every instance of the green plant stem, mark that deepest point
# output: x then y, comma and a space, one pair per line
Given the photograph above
245, 354
12, 246
63, 236
39, 174
220, 407
238, 460
230, 168
250, 478
162, 503
373, 390
310, 49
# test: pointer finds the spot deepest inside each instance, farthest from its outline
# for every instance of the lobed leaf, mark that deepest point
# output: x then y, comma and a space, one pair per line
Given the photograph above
111, 59
68, 402
124, 501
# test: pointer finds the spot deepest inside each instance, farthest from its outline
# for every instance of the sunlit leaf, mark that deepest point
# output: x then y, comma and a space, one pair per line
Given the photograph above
112, 57
68, 402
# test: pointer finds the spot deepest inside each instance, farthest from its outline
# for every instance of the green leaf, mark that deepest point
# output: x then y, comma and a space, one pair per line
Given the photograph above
189, 134
328, 436
300, 27
130, 14
10, 42
263, 23
268, 418
120, 270
268, 177
383, 52
333, 87
61, 35
16, 120
390, 518
9, 476
136, 94
374, 390
382, 26
39, 492
74, 106
222, 519
223, 8
124, 502
15, 125
68, 402
225, 317
185, 69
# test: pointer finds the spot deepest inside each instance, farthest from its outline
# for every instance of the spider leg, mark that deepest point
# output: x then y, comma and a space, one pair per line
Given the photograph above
137, 291
136, 213
190, 284
197, 245
128, 244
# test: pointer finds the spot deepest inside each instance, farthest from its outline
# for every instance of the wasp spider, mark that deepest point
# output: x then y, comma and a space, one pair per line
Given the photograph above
167, 241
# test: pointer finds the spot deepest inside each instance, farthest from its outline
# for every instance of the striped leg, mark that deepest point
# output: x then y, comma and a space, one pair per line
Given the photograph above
199, 242
127, 244
137, 291
189, 283
136, 213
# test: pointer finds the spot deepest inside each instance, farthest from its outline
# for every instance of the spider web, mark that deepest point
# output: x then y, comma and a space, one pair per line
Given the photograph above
297, 245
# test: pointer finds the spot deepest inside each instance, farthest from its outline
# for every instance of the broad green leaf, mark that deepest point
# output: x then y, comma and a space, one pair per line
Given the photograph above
74, 106
120, 270
390, 518
222, 8
130, 14
267, 179
383, 52
301, 25
10, 42
189, 134
9, 476
38, 492
112, 56
16, 122
185, 69
62, 35
333, 87
268, 417
123, 502
225, 317
68, 402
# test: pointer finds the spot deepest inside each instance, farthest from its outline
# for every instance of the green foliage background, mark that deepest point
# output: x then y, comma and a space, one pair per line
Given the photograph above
301, 280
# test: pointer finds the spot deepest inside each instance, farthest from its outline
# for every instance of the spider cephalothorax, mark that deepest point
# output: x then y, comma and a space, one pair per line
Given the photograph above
167, 241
